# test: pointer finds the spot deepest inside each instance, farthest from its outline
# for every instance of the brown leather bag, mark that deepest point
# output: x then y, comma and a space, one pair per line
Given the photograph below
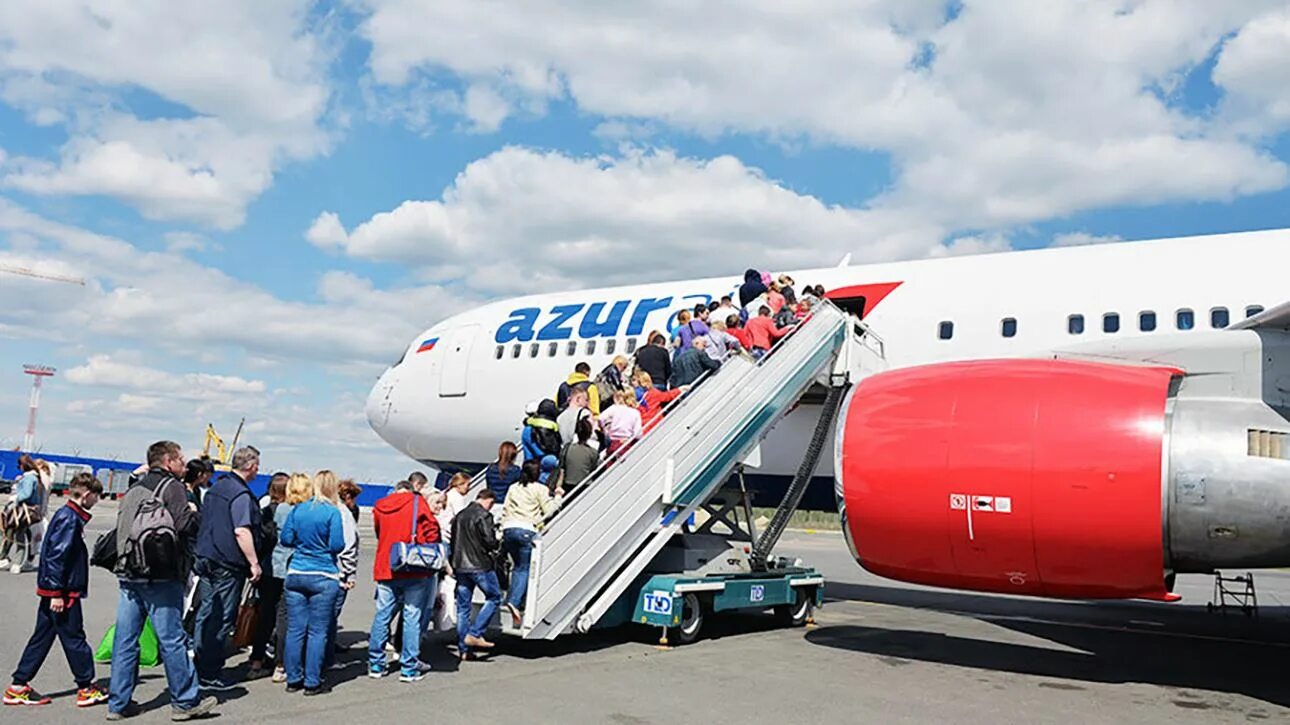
244, 630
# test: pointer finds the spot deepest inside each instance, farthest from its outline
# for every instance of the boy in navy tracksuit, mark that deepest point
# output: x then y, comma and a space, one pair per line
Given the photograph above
62, 582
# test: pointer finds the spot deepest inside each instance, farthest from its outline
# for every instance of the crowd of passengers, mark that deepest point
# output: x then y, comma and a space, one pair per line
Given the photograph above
204, 568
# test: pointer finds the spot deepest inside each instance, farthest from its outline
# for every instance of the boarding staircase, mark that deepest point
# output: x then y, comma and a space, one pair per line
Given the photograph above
596, 546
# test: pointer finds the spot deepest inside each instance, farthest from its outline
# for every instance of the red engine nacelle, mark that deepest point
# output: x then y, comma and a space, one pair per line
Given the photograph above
1035, 477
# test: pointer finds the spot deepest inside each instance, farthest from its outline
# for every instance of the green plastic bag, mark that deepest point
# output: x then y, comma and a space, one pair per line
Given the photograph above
149, 647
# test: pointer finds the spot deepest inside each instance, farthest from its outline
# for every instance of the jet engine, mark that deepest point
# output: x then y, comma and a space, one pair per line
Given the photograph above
1061, 478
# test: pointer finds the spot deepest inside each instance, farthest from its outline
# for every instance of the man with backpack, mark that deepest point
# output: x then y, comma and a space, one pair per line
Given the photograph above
226, 559
579, 379
153, 527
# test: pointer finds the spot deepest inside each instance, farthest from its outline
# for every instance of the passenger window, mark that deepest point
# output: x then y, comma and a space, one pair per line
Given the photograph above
1253, 310
1186, 319
1009, 327
609, 346
1147, 321
1075, 324
945, 331
591, 347
631, 345
552, 349
572, 347
1111, 323
1219, 318
533, 350
501, 350
515, 351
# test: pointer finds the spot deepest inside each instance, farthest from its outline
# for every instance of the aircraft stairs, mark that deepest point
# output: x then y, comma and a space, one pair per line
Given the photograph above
618, 521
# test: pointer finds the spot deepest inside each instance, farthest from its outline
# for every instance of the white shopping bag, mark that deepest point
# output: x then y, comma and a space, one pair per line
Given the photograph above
445, 605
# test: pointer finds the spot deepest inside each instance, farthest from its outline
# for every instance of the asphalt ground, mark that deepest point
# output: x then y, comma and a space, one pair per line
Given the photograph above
881, 651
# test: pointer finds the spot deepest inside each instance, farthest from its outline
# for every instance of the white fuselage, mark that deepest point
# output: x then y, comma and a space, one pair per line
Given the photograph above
451, 405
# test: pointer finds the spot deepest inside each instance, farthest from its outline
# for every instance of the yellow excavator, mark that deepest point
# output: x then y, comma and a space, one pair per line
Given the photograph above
224, 453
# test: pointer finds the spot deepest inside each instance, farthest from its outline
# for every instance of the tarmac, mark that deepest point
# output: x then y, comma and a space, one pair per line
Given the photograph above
880, 651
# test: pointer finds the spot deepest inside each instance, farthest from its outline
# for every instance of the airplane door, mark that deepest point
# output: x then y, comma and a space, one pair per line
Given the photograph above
455, 363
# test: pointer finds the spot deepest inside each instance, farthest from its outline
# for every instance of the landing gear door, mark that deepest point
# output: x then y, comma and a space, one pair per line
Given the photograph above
455, 363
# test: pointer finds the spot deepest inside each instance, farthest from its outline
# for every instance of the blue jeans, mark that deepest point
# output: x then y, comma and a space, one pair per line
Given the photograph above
163, 603
518, 543
476, 626
414, 595
219, 592
311, 603
330, 657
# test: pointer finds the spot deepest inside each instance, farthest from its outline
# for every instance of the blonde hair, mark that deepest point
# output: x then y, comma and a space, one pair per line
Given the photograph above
299, 489
644, 379
717, 325
458, 478
327, 486
620, 359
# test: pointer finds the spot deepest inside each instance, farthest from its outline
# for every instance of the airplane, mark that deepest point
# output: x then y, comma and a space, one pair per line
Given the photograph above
1070, 422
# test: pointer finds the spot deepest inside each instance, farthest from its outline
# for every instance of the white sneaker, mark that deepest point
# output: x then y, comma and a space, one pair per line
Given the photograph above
4, 563
15, 569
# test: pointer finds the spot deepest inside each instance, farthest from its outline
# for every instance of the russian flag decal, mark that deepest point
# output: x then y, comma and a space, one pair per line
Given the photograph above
428, 345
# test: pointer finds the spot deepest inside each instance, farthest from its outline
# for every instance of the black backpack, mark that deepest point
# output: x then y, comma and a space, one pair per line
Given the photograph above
268, 537
566, 392
151, 547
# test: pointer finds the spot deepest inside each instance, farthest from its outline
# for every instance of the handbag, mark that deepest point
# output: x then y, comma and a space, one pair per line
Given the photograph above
412, 558
104, 554
247, 612
21, 516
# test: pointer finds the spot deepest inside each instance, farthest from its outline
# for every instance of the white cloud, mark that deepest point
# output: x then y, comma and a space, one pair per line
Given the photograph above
485, 108
598, 220
1066, 107
177, 242
167, 301
104, 371
1254, 69
972, 244
326, 231
247, 79
1079, 239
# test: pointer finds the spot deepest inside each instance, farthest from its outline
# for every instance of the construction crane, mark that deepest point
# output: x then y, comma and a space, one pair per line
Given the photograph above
224, 453
29, 272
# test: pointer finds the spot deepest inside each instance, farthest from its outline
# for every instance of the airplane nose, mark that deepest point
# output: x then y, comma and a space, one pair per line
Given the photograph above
380, 401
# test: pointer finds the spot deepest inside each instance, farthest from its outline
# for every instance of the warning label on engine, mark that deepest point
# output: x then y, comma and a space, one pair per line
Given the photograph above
981, 504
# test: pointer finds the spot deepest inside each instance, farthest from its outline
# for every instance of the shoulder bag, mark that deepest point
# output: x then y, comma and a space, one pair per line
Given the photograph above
412, 558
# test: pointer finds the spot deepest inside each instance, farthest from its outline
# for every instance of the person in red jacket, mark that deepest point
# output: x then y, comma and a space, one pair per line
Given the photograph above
655, 399
764, 333
404, 516
736, 330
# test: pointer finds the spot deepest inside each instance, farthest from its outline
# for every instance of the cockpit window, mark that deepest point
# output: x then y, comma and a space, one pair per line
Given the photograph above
401, 358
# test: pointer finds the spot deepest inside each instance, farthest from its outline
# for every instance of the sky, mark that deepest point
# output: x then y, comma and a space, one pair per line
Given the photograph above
268, 201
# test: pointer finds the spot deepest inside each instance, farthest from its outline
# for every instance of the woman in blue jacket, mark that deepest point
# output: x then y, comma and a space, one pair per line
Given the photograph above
20, 515
315, 531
